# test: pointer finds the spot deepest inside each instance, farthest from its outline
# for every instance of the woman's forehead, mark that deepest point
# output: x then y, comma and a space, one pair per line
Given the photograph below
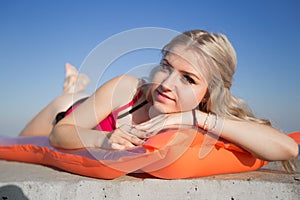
190, 59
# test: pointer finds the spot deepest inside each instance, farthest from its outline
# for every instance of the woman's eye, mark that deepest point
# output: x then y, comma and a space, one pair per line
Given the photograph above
188, 79
165, 67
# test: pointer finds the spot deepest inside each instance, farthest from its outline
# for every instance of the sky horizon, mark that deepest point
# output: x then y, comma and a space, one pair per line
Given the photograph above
39, 37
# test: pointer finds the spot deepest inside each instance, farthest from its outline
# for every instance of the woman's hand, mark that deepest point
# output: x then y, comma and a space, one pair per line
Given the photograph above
121, 139
127, 136
162, 121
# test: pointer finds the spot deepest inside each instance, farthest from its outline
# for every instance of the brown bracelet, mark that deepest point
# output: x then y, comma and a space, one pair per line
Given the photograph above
195, 121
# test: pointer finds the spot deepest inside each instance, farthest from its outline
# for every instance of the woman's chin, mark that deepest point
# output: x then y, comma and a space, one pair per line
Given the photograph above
158, 108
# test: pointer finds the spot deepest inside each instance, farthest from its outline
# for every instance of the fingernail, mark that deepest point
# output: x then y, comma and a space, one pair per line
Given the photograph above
149, 134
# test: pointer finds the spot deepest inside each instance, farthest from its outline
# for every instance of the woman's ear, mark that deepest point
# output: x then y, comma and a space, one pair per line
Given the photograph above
206, 97
203, 103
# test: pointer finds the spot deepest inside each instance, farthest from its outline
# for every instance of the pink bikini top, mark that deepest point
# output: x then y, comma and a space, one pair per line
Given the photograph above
109, 123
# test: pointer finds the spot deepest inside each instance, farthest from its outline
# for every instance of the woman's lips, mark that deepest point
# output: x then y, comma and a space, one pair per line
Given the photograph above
163, 97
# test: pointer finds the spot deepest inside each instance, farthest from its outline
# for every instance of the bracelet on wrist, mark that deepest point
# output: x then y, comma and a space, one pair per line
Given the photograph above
195, 121
205, 124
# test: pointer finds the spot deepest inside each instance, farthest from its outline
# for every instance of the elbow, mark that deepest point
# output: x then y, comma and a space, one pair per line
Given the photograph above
294, 151
287, 150
52, 140
291, 150
54, 137
64, 136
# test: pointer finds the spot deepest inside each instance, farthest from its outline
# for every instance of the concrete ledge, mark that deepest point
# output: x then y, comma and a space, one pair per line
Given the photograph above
27, 181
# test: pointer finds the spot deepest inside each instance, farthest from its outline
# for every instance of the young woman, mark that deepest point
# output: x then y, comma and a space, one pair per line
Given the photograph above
191, 86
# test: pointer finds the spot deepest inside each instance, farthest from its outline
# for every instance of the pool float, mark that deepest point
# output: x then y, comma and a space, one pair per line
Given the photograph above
171, 154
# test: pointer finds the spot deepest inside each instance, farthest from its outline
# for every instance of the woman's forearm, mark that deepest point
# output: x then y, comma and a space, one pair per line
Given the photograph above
262, 141
73, 137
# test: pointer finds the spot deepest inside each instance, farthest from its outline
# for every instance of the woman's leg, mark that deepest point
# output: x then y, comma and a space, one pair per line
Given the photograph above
44, 121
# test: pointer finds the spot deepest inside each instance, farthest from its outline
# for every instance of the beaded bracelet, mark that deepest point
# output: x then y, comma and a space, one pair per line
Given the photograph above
215, 122
217, 128
206, 122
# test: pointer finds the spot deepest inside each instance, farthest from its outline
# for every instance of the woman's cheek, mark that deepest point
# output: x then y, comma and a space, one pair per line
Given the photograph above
187, 102
158, 78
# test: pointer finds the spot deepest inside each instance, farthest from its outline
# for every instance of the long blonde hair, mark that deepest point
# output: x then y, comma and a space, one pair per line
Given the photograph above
219, 57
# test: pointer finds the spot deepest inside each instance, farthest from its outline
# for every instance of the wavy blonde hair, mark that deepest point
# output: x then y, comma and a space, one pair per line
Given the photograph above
219, 57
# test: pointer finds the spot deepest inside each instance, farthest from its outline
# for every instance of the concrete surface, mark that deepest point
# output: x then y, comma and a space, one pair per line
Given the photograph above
27, 181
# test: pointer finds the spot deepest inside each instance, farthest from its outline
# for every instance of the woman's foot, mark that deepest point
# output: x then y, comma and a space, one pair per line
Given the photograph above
74, 81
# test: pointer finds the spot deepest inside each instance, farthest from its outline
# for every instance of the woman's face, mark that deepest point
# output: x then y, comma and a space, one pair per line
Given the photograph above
178, 84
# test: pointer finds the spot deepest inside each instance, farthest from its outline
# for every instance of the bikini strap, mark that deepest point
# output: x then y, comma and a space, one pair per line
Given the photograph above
133, 109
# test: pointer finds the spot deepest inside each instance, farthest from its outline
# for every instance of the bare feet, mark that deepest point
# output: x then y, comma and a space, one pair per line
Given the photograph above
74, 81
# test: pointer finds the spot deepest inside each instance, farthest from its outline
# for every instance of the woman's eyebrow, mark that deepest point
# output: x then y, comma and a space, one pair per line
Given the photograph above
167, 62
182, 71
192, 74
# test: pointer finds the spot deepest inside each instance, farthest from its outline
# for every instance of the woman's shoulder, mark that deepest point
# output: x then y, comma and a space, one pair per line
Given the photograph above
126, 83
124, 79
120, 89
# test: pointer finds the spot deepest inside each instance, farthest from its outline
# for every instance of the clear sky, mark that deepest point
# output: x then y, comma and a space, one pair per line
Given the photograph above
37, 38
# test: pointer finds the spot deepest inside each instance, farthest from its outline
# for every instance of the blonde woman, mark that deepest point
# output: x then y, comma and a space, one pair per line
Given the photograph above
191, 86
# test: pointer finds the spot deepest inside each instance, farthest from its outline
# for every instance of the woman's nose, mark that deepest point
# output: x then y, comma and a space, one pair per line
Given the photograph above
169, 82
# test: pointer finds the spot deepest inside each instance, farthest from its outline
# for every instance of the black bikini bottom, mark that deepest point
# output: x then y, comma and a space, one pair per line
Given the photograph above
61, 115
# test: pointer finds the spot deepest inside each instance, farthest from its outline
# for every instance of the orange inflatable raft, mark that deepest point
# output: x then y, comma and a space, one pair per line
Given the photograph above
172, 154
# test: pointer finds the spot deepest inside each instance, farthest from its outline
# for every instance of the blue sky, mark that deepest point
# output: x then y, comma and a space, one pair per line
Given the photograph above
37, 38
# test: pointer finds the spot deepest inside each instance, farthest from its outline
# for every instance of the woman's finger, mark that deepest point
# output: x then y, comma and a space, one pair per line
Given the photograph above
121, 144
134, 139
154, 127
128, 133
117, 146
156, 123
131, 130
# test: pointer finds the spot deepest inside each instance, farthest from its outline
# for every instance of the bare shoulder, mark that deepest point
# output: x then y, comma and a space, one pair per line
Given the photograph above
119, 90
122, 83
126, 80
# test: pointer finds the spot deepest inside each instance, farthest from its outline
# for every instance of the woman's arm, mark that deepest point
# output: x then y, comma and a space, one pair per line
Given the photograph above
74, 137
260, 140
76, 130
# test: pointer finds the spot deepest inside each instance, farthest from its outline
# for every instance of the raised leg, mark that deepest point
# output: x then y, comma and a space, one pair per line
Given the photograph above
43, 122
